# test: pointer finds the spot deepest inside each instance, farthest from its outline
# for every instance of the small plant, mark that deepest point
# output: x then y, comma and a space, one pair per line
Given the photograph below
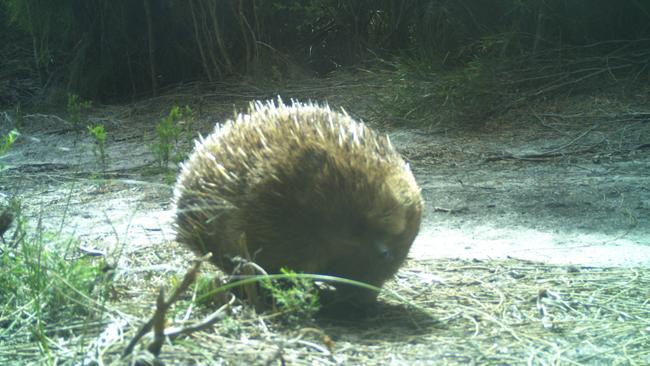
98, 132
296, 296
6, 142
76, 107
167, 132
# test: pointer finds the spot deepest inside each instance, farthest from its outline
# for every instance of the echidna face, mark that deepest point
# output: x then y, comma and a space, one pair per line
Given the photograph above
369, 253
388, 239
361, 230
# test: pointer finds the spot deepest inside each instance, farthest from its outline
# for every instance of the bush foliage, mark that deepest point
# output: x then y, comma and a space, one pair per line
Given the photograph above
108, 49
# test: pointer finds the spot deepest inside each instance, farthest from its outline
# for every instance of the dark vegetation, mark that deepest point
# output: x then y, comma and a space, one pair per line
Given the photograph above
460, 52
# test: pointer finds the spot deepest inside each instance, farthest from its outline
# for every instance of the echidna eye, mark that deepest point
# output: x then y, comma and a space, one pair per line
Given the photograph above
383, 250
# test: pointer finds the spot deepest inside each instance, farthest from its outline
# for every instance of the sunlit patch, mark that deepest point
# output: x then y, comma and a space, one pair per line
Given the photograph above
491, 242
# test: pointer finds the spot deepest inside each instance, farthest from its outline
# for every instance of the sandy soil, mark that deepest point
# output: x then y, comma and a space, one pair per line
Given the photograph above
503, 196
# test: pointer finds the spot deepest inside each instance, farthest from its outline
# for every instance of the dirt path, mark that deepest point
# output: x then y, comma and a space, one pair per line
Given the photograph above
494, 202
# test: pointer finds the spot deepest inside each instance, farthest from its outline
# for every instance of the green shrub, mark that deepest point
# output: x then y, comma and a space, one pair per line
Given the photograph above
168, 130
98, 133
296, 296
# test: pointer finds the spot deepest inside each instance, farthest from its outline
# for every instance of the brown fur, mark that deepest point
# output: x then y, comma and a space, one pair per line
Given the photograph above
311, 189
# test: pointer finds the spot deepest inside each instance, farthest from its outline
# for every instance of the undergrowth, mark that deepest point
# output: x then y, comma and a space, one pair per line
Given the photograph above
428, 90
168, 131
424, 92
44, 285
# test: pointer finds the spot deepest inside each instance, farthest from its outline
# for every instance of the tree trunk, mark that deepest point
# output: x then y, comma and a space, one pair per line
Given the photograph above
152, 47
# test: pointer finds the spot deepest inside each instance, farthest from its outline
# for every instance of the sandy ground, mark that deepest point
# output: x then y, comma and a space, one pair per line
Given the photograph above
544, 187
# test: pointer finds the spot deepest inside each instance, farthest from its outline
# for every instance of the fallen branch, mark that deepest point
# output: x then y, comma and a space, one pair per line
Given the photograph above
543, 155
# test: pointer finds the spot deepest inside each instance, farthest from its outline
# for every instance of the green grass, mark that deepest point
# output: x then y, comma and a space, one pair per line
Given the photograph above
45, 283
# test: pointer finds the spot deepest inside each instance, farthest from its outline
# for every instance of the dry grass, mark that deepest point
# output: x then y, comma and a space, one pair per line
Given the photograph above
459, 313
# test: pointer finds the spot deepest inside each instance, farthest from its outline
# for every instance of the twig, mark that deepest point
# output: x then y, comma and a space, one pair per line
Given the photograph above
450, 210
189, 278
542, 156
158, 325
216, 316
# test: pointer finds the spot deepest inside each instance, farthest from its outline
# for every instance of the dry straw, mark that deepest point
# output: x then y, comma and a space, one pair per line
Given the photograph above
457, 313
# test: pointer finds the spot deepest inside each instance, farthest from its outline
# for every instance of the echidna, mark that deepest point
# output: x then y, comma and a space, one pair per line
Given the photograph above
309, 188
